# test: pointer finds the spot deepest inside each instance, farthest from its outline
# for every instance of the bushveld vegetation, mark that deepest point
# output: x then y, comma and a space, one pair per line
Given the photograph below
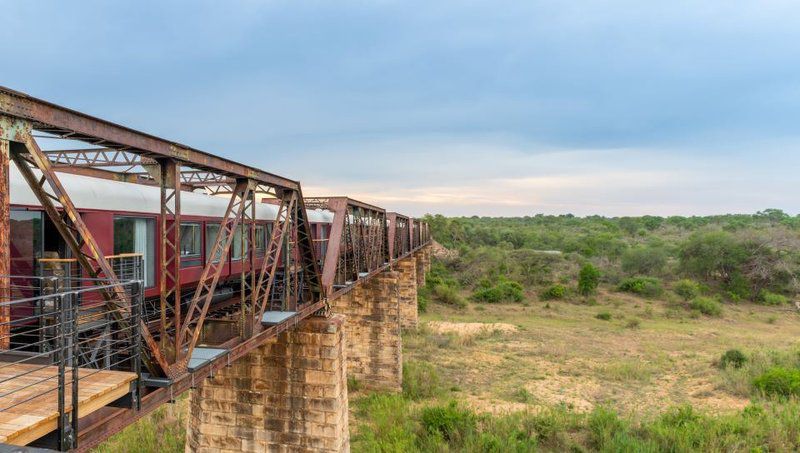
627, 334
736, 258
669, 271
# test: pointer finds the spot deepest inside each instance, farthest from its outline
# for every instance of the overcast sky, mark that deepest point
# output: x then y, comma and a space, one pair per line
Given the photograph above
452, 107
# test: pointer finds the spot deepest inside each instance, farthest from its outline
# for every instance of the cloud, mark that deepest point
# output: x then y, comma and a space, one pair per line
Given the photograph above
506, 107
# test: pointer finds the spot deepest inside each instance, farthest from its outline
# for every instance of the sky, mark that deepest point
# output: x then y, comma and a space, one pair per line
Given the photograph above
496, 108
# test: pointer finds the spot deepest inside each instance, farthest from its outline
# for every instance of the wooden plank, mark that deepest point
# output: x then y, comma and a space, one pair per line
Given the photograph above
29, 397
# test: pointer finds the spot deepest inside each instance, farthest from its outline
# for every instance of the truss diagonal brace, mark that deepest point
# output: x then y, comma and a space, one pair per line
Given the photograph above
189, 334
269, 265
79, 239
329, 267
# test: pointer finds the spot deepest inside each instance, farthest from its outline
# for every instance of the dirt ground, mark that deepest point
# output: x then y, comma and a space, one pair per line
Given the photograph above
560, 353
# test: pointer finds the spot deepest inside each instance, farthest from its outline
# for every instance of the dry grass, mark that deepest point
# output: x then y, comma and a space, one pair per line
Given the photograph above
564, 355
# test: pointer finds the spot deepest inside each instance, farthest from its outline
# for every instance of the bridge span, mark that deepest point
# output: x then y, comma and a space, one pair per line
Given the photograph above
134, 269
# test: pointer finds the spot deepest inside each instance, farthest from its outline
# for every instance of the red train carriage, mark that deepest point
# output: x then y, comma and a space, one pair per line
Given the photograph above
124, 219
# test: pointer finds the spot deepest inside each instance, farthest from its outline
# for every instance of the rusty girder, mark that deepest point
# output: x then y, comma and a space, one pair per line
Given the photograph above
96, 157
69, 124
67, 220
5, 245
357, 245
269, 266
189, 332
169, 244
416, 233
399, 234
123, 154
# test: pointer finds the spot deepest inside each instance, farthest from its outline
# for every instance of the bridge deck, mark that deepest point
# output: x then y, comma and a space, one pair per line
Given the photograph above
29, 397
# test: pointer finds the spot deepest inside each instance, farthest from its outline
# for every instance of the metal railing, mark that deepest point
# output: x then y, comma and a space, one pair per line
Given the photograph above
57, 332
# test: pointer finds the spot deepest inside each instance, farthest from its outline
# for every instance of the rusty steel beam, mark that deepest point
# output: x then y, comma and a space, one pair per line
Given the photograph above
247, 276
98, 157
189, 333
338, 206
50, 118
5, 246
106, 174
76, 234
399, 237
357, 244
269, 265
391, 231
169, 245
306, 251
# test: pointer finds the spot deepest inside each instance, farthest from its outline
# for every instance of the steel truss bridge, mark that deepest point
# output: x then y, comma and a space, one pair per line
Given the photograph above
157, 353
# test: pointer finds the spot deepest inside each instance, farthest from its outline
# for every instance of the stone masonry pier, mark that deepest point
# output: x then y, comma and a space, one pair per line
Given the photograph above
288, 395
291, 393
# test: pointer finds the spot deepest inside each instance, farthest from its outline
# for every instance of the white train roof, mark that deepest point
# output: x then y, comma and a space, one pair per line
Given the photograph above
106, 195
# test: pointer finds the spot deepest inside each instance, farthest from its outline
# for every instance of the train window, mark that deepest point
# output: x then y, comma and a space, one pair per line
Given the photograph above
212, 230
137, 235
26, 241
191, 245
236, 247
261, 239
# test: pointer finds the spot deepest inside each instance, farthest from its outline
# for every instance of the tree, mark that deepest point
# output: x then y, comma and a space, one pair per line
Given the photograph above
644, 260
712, 256
588, 279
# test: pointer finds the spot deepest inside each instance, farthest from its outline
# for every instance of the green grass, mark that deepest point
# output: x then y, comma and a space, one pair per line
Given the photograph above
163, 431
396, 425
634, 370
739, 381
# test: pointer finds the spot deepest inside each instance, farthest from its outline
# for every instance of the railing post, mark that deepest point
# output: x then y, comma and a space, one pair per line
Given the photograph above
61, 327
74, 306
136, 314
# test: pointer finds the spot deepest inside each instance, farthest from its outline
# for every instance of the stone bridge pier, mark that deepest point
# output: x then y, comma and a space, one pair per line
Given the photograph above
288, 395
291, 393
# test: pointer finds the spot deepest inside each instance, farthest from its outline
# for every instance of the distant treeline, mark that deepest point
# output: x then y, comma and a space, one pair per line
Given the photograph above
734, 256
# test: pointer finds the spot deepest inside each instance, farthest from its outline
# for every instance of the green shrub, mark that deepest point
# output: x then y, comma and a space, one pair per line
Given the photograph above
588, 279
768, 298
451, 422
420, 380
633, 323
779, 381
706, 306
604, 425
603, 315
733, 358
554, 292
449, 295
422, 301
644, 260
503, 291
643, 286
687, 289
737, 287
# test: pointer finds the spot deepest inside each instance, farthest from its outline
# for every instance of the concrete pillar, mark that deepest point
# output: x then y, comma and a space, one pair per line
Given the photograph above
374, 345
288, 395
409, 270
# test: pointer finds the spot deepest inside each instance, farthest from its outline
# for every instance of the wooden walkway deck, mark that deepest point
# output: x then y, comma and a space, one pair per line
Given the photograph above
29, 400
